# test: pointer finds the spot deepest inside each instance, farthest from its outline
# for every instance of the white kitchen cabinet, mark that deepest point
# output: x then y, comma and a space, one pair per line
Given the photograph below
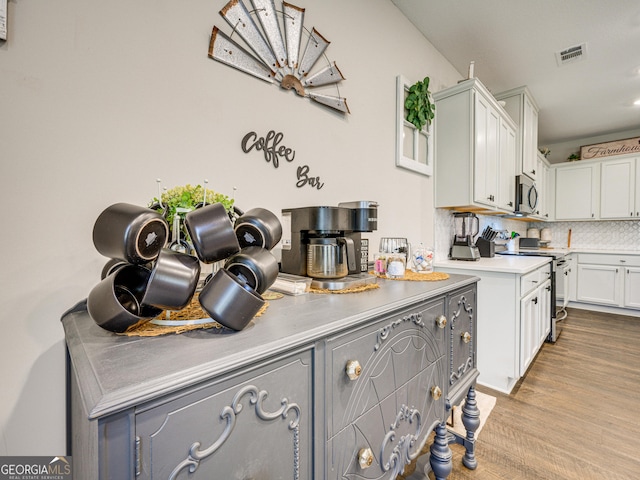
529, 317
637, 209
475, 142
542, 184
507, 167
577, 191
599, 284
566, 281
619, 189
523, 109
485, 170
535, 316
544, 320
632, 287
513, 313
609, 279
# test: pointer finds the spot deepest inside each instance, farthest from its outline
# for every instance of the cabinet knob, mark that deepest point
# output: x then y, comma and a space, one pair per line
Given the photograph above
510, 204
466, 337
441, 321
353, 369
365, 458
623, 261
436, 392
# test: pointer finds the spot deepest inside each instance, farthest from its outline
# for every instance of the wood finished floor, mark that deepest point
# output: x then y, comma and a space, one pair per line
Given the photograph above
574, 416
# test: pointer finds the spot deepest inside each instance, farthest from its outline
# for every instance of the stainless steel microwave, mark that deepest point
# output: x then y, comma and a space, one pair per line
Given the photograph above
526, 195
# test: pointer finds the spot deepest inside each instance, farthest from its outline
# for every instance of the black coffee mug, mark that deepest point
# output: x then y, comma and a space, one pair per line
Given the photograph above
230, 301
130, 232
173, 281
211, 233
255, 265
115, 303
258, 227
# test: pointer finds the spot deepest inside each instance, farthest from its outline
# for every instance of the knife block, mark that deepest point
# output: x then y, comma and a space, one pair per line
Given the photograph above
487, 248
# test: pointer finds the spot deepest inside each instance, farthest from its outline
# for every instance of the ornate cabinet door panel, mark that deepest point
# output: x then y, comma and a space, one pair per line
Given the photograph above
461, 318
385, 438
256, 424
367, 365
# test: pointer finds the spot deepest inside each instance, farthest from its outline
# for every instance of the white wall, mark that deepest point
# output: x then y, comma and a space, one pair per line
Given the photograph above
98, 99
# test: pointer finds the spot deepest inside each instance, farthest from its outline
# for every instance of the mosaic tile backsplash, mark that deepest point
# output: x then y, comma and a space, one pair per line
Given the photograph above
598, 235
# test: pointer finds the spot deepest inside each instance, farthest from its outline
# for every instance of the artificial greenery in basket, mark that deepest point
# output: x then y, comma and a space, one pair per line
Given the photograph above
420, 109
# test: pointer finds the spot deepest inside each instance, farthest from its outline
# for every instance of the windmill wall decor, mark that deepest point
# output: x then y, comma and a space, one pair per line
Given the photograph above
272, 57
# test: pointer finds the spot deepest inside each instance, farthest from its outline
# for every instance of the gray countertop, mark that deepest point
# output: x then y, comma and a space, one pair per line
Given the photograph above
121, 371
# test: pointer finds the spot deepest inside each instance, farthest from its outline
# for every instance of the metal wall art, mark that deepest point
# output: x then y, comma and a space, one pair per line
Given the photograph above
273, 58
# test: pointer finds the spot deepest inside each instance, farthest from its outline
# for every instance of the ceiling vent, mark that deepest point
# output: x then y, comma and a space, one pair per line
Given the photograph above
571, 54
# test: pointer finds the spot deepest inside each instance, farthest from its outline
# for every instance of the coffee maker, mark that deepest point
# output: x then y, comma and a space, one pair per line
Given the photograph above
467, 226
325, 242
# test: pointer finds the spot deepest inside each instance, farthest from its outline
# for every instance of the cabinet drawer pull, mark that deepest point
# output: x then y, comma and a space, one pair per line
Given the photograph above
441, 321
436, 392
353, 369
466, 337
365, 458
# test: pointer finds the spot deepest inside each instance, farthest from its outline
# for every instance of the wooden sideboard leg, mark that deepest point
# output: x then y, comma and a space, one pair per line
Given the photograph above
440, 460
471, 420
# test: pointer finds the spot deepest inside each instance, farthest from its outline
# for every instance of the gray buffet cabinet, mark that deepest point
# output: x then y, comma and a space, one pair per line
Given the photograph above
318, 387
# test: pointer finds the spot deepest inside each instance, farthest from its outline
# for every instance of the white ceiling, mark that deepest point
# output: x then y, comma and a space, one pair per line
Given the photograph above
514, 43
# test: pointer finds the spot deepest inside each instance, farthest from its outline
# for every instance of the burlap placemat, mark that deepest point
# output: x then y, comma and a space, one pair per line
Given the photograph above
412, 276
193, 311
358, 289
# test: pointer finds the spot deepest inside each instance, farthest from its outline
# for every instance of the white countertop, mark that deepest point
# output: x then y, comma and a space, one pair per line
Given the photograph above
603, 251
499, 263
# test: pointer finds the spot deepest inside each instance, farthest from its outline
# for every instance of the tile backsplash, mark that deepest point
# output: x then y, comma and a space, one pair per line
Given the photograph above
600, 235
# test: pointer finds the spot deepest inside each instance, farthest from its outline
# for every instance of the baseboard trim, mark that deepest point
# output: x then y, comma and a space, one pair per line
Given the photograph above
605, 309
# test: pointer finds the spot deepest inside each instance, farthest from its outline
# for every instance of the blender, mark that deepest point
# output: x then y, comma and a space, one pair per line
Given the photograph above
467, 226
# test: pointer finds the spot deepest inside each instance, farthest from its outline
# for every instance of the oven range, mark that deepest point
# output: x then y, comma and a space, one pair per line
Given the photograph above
557, 266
